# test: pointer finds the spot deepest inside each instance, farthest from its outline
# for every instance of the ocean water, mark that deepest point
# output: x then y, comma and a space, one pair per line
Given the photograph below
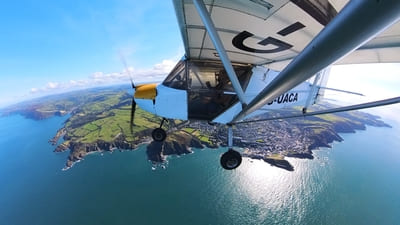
356, 182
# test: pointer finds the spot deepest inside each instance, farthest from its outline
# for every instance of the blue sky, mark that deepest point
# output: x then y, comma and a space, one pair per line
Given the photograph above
57, 45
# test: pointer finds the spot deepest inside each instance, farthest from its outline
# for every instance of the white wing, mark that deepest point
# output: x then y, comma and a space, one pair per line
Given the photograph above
273, 32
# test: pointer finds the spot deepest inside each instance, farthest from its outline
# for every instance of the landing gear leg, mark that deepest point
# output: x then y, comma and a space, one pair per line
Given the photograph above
159, 134
231, 159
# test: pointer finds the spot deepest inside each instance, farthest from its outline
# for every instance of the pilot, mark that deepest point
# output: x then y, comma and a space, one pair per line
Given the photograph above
222, 80
178, 82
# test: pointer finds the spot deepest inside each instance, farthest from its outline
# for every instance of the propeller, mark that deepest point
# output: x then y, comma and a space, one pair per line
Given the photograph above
133, 109
133, 104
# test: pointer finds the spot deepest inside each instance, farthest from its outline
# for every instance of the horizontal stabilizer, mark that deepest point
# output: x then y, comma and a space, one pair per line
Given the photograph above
384, 102
343, 91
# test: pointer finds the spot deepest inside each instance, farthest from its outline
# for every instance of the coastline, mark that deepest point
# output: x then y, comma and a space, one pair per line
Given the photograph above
90, 128
157, 153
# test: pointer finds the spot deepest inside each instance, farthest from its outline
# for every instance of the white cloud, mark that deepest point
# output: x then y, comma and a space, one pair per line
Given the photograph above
155, 74
165, 66
52, 85
34, 90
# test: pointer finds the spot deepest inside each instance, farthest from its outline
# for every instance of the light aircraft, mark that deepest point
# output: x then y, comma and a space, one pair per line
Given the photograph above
244, 57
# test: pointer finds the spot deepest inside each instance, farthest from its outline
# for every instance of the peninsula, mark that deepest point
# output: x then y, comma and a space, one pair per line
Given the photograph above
99, 121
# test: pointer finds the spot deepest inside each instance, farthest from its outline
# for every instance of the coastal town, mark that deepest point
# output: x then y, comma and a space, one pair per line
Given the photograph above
274, 140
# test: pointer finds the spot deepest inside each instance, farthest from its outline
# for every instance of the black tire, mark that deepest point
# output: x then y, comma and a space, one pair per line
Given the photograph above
159, 135
231, 160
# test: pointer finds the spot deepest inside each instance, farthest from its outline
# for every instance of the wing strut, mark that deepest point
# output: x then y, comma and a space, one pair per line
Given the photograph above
367, 105
358, 22
212, 32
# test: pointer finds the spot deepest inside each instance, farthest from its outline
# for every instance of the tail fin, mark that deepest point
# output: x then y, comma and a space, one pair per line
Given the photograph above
316, 93
324, 77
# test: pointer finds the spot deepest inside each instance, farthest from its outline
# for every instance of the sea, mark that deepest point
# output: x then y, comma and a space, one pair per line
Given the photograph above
355, 182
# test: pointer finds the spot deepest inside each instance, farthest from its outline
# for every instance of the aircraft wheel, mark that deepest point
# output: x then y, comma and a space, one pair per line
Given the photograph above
231, 159
159, 134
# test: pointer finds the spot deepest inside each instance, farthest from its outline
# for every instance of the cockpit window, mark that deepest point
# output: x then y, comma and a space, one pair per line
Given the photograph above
212, 75
205, 75
210, 91
177, 78
208, 86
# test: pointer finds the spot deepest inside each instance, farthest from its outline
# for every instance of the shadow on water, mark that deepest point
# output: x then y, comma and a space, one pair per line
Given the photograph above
154, 151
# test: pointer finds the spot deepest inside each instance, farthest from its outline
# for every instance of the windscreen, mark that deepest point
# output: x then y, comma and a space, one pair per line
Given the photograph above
212, 75
177, 78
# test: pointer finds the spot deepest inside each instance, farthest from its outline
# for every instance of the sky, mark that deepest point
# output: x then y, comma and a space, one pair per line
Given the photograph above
52, 46
48, 47
374, 81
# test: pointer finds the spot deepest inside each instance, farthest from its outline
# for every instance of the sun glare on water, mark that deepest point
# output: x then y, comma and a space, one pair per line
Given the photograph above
274, 190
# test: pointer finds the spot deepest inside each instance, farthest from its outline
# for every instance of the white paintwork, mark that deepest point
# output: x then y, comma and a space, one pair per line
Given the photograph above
170, 103
260, 78
146, 105
234, 16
